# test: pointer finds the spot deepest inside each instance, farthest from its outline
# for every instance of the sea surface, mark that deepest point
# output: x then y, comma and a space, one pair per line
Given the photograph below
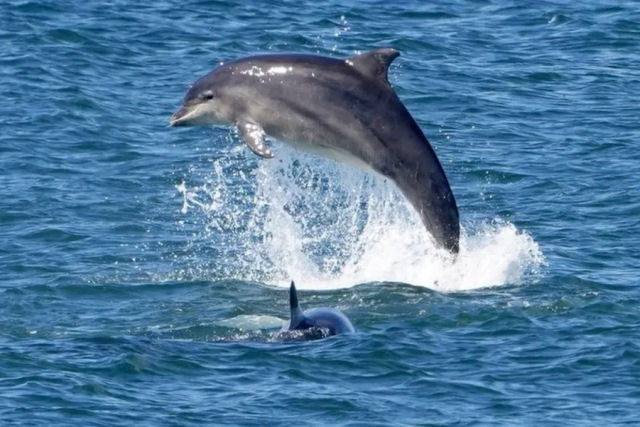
144, 269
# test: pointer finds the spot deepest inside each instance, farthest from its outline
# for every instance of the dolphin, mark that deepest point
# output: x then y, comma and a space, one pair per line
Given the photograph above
317, 319
340, 108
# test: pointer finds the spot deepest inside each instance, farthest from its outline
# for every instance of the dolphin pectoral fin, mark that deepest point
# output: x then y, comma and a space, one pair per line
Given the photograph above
375, 64
253, 135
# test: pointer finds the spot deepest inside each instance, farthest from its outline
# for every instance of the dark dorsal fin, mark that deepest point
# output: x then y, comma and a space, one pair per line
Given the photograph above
375, 64
296, 312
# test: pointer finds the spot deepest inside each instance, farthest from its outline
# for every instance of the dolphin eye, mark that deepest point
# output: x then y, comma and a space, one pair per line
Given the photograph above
208, 95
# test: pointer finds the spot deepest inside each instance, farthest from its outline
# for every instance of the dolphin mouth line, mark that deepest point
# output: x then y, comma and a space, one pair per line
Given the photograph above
182, 116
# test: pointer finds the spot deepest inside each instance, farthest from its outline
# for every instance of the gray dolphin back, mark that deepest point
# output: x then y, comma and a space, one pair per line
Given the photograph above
328, 318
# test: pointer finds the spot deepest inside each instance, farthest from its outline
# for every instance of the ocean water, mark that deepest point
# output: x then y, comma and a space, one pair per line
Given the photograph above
143, 269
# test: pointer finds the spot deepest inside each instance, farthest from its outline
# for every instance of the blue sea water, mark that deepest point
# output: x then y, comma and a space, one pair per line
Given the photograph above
144, 268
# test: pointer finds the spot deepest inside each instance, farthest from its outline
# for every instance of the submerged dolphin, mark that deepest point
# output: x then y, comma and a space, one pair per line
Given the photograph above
342, 108
317, 319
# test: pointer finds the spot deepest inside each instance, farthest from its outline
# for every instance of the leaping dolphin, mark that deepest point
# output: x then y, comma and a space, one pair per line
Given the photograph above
328, 319
342, 108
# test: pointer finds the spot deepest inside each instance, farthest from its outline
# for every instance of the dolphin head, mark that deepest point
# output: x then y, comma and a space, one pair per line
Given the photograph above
204, 103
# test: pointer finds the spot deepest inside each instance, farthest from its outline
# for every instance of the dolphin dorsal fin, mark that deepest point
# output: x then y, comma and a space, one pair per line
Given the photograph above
375, 63
296, 312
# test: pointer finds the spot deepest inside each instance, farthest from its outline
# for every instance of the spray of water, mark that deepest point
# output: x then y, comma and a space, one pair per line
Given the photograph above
328, 225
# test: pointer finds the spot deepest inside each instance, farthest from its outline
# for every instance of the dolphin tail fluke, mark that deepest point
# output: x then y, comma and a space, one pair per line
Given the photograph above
425, 185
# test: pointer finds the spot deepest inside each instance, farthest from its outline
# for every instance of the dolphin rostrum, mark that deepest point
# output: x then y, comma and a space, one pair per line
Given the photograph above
333, 321
342, 108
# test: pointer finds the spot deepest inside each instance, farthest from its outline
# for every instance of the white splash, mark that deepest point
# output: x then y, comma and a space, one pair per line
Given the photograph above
329, 226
